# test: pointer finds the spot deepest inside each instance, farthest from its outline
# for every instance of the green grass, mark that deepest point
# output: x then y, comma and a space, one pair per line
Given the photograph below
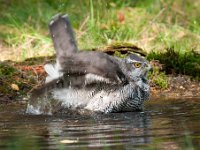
158, 79
155, 26
6, 70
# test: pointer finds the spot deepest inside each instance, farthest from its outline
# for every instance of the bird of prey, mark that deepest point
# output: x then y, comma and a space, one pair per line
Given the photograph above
90, 80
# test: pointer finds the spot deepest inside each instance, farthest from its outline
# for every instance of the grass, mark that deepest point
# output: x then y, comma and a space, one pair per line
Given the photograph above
152, 25
168, 31
158, 79
6, 70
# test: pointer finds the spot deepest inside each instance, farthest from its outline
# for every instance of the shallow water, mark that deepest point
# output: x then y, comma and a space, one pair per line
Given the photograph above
165, 124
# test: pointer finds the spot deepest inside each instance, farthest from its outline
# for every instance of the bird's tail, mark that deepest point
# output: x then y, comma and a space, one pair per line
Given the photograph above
62, 36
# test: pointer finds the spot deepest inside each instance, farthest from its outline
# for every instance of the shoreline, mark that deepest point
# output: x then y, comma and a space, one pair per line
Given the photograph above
23, 77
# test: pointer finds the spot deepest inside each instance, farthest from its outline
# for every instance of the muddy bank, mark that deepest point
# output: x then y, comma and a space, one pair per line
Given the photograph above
179, 86
18, 79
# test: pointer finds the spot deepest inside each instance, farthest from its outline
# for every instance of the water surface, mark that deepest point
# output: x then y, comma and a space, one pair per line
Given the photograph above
165, 124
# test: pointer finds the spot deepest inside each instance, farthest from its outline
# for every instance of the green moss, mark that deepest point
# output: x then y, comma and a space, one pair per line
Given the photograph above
6, 70
10, 75
178, 62
158, 78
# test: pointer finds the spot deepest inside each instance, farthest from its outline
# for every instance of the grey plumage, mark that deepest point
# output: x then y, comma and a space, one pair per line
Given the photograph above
62, 36
91, 80
72, 61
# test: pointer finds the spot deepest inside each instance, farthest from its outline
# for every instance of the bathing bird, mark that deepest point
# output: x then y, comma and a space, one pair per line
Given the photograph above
90, 80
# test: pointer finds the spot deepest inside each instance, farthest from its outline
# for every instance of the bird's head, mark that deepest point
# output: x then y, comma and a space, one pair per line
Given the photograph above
137, 68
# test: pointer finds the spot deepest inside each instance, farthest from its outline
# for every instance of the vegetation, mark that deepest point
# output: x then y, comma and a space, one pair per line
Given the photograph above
6, 70
167, 30
158, 78
14, 82
178, 62
152, 25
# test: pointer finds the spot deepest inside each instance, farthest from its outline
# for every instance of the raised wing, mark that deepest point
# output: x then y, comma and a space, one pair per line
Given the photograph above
71, 61
62, 36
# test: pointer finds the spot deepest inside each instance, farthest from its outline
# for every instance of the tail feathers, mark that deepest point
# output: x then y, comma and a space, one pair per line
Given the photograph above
52, 71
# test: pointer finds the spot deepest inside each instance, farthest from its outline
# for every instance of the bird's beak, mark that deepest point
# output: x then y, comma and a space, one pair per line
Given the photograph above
147, 69
150, 68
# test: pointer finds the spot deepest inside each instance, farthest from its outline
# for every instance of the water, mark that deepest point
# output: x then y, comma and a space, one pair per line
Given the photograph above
165, 124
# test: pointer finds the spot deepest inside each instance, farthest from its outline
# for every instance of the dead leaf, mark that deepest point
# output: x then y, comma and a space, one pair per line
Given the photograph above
15, 87
121, 17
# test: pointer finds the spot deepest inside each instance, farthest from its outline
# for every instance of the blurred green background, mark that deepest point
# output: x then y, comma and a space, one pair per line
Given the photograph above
168, 30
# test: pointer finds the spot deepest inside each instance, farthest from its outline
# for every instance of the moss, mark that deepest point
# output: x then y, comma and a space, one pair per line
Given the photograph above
11, 75
178, 62
158, 79
6, 70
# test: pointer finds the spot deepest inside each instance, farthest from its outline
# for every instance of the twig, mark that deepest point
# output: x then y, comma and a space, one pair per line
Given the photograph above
81, 27
83, 24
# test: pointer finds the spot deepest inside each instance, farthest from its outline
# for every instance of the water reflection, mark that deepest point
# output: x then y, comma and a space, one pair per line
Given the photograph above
163, 125
103, 130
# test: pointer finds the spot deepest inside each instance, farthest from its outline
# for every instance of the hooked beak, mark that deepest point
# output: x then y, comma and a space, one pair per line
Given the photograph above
150, 68
147, 69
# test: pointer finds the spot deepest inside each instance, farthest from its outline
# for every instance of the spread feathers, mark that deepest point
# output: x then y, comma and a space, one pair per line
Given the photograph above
89, 80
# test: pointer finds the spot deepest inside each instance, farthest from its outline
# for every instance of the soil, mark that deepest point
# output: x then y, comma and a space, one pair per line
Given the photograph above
180, 86
30, 74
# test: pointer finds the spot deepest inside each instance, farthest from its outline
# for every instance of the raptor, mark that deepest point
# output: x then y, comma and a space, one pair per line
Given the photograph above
90, 80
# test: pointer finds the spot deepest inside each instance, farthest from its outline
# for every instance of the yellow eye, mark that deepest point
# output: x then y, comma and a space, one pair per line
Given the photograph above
137, 65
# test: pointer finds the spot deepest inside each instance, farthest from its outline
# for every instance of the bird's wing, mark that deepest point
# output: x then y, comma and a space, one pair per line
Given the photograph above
62, 36
97, 63
71, 61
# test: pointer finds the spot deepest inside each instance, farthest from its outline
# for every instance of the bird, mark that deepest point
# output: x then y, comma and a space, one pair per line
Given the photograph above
90, 80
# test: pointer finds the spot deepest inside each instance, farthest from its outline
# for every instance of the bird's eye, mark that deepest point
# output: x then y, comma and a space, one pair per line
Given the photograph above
137, 65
